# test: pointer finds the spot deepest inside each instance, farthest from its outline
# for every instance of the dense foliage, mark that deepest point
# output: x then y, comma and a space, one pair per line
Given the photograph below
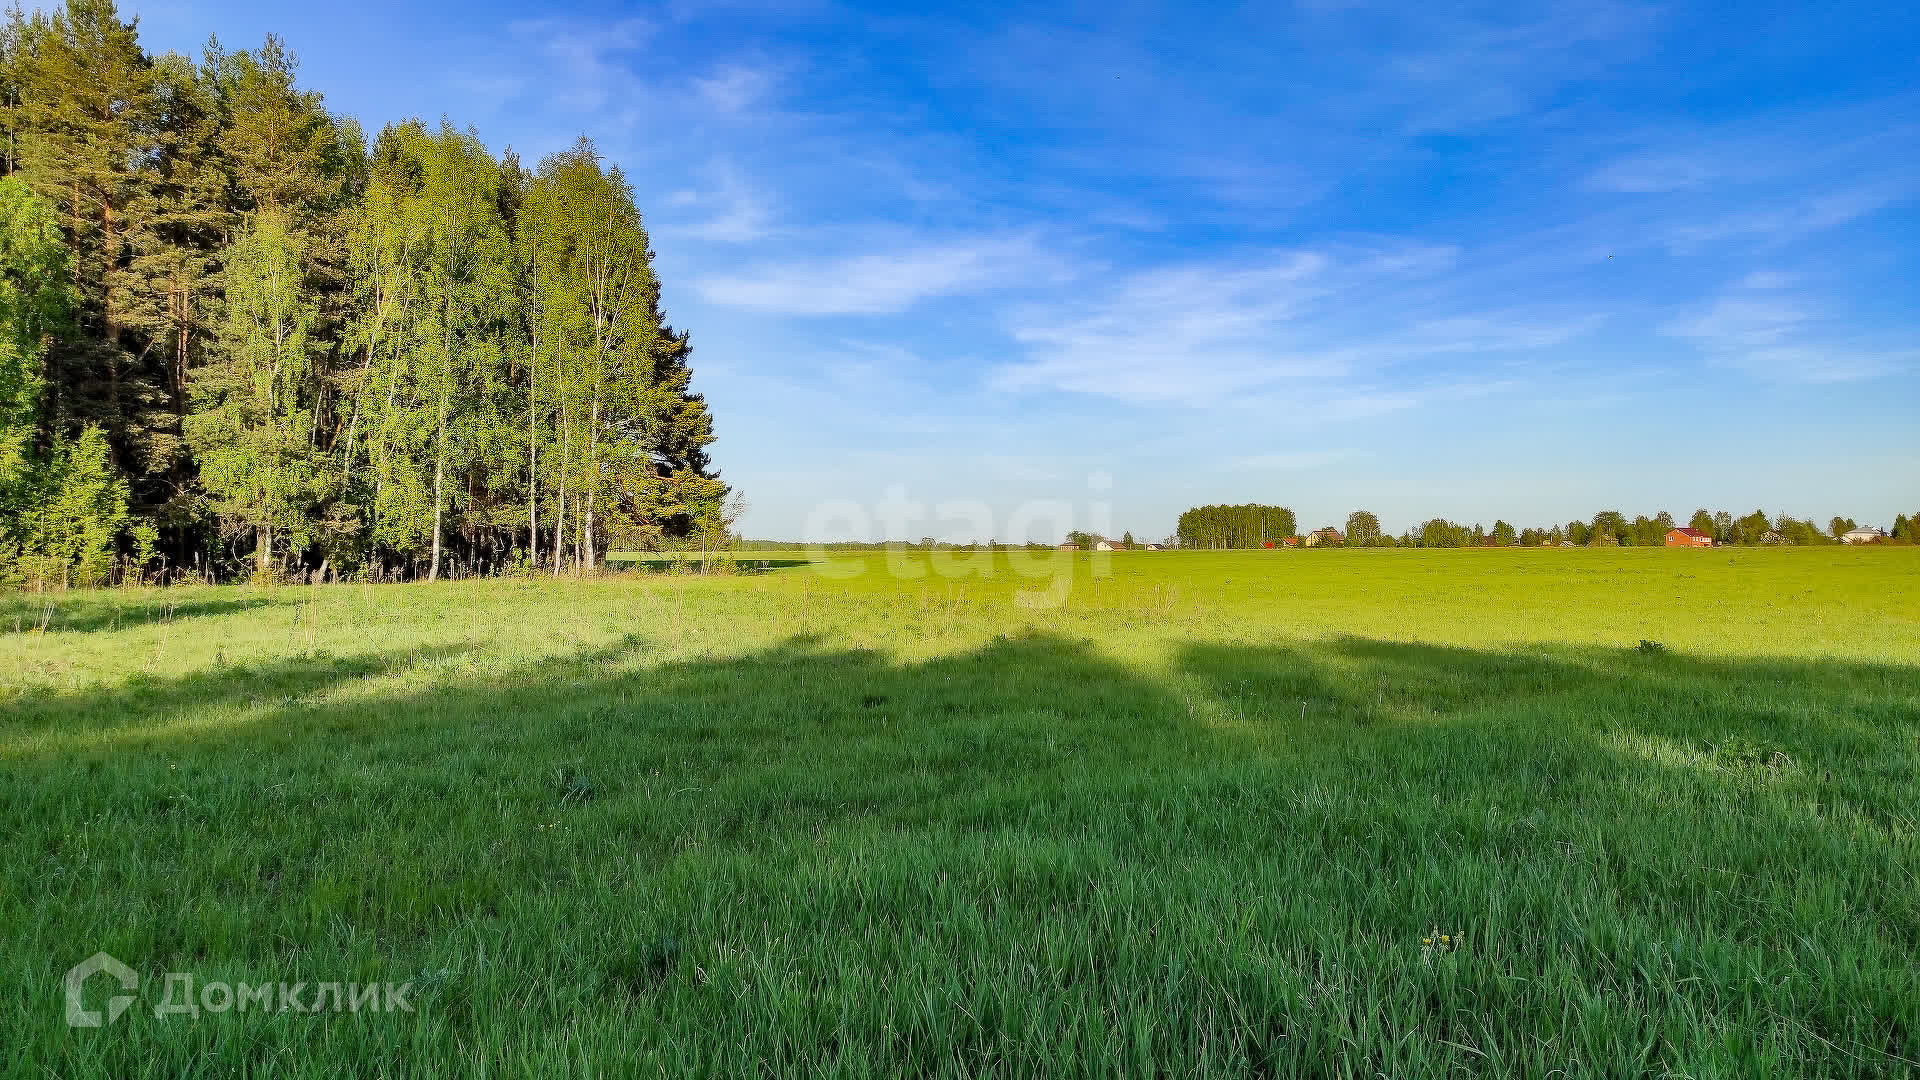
1247, 526
234, 336
1228, 527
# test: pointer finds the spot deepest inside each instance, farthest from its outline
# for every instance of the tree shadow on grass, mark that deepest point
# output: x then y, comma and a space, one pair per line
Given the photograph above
87, 611
145, 706
853, 732
1274, 823
789, 715
667, 564
1815, 713
1672, 760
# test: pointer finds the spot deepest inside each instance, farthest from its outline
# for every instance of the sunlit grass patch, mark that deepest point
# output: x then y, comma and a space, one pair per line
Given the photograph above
1344, 813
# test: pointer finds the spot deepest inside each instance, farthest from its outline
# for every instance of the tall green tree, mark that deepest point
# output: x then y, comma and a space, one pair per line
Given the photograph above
284, 150
1441, 533
1250, 525
626, 437
1609, 526
422, 354
253, 428
437, 260
61, 501
181, 222
1363, 528
36, 301
85, 125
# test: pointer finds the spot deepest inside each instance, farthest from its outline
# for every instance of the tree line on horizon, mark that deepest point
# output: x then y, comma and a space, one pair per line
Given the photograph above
1244, 527
1248, 525
236, 336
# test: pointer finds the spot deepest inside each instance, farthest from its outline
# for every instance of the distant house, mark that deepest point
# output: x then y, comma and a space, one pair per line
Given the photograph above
1328, 535
1772, 537
1107, 545
1068, 546
1291, 541
1151, 547
1865, 534
1688, 538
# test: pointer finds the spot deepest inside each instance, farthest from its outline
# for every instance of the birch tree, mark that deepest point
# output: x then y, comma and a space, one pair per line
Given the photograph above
252, 428
444, 302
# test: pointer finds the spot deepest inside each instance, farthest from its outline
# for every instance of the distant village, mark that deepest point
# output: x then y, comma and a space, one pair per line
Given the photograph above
1252, 527
1677, 536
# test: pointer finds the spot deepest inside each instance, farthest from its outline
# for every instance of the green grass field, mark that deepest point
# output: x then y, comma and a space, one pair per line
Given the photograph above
1197, 818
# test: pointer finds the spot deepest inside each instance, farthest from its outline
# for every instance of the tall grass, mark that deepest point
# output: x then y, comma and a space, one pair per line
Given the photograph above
1328, 813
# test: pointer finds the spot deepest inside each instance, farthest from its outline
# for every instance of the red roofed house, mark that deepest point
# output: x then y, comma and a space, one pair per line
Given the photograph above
1688, 538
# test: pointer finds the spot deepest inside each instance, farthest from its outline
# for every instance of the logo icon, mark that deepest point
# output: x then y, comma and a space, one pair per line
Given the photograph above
78, 1015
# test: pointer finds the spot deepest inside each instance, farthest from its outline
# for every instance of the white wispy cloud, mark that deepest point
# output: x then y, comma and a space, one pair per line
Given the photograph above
1788, 218
1743, 322
1290, 460
486, 90
1767, 279
1184, 333
1784, 338
1653, 172
581, 56
1499, 332
733, 87
881, 282
736, 212
1208, 334
1480, 69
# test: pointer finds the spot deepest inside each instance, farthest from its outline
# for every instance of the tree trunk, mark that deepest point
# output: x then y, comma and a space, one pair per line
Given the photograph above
263, 547
593, 464
533, 480
109, 316
439, 481
533, 428
177, 377
559, 523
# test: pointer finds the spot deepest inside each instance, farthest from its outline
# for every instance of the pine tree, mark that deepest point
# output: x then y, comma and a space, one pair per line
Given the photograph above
283, 148
86, 125
183, 222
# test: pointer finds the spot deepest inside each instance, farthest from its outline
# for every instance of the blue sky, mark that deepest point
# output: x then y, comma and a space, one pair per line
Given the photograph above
1525, 261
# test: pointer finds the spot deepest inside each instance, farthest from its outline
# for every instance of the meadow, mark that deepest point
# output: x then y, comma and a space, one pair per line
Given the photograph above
1329, 813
